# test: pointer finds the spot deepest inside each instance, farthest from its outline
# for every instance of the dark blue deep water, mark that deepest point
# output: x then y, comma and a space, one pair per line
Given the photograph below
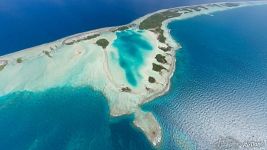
219, 89
27, 23
64, 119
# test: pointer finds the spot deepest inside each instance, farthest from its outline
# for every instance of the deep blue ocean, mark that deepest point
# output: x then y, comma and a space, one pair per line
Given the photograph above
64, 119
219, 86
219, 89
28, 23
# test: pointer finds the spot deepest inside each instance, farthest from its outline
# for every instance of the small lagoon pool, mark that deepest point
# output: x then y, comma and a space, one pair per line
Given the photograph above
132, 47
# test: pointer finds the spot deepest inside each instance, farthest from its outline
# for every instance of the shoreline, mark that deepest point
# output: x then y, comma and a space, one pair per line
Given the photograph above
76, 50
138, 20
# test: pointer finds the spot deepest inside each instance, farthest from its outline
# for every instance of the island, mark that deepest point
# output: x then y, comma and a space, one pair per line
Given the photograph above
130, 64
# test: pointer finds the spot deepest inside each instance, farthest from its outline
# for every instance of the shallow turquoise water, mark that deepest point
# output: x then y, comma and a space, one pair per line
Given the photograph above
132, 48
64, 119
219, 89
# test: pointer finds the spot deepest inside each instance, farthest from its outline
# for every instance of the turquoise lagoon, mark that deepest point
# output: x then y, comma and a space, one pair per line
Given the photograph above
219, 87
132, 48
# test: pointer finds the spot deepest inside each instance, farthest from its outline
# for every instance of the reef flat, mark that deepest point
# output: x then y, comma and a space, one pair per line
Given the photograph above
130, 64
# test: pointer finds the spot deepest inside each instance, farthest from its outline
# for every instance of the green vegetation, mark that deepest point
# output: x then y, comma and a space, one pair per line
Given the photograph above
165, 49
161, 59
186, 10
196, 8
151, 79
203, 7
193, 8
149, 89
89, 37
158, 68
2, 67
69, 43
47, 53
19, 60
214, 5
103, 43
154, 22
161, 36
122, 28
126, 89
231, 4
